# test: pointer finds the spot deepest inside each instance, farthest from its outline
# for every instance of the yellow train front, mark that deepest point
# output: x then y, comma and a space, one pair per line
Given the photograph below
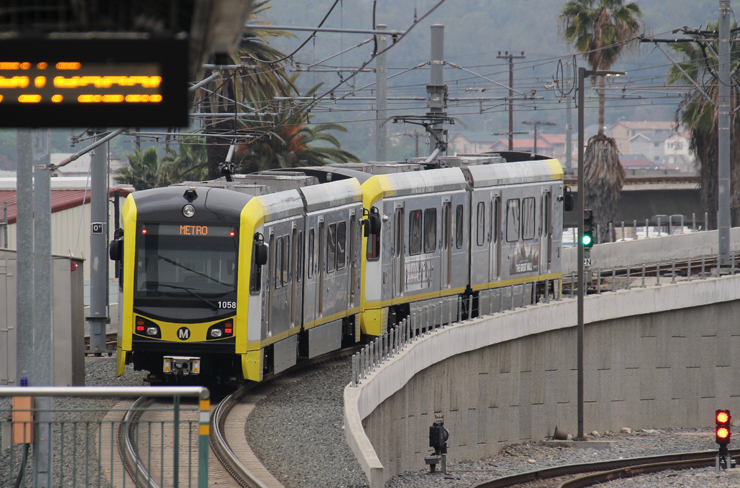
179, 257
223, 282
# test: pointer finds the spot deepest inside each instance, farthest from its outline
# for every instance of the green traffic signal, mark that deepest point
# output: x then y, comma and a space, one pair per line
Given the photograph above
587, 240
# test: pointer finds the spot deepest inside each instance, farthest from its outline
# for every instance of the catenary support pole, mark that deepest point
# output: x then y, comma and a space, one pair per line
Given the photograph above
42, 333
580, 208
568, 123
381, 85
98, 246
723, 122
437, 90
24, 245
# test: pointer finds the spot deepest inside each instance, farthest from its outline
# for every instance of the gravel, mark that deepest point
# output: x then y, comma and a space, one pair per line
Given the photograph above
98, 372
298, 433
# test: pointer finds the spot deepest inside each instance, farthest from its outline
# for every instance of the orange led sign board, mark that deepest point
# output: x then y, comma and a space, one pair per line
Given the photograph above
93, 83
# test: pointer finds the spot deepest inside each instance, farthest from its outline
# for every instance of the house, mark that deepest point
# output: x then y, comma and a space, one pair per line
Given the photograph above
470, 142
651, 147
623, 132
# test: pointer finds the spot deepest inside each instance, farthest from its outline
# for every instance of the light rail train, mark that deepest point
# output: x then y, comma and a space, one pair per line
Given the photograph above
226, 281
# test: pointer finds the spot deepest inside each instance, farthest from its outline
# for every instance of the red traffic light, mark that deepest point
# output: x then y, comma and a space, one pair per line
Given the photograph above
722, 431
722, 417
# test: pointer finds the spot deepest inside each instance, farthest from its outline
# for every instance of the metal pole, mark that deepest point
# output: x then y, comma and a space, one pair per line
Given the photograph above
580, 207
568, 125
42, 331
24, 244
381, 83
723, 122
98, 247
437, 90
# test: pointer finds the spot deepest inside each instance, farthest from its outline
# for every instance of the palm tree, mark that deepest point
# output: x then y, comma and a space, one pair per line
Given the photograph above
248, 90
144, 170
599, 30
188, 163
697, 113
293, 141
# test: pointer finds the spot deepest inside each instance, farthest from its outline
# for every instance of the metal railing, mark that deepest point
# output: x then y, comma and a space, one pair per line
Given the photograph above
83, 444
664, 225
439, 315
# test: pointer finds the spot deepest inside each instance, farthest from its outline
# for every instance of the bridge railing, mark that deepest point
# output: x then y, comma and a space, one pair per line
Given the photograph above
80, 444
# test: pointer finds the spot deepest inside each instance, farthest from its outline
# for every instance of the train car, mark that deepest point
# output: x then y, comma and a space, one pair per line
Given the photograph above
230, 286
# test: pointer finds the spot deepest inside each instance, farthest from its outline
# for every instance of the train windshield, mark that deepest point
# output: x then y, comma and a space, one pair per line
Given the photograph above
193, 264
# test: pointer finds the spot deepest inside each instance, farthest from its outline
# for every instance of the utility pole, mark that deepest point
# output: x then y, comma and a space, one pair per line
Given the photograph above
381, 84
511, 59
536, 124
98, 247
568, 124
723, 124
436, 89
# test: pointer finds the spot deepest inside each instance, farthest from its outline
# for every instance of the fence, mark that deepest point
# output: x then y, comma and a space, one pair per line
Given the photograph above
674, 224
76, 437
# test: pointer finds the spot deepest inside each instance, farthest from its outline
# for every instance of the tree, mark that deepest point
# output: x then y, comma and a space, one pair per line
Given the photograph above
143, 171
293, 141
247, 90
600, 30
188, 163
697, 114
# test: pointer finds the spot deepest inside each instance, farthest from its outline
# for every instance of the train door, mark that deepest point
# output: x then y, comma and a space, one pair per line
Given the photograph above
399, 270
271, 281
546, 243
292, 273
495, 248
321, 270
353, 259
445, 251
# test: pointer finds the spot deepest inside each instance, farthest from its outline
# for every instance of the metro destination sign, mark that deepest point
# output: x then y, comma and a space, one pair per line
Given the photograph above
93, 83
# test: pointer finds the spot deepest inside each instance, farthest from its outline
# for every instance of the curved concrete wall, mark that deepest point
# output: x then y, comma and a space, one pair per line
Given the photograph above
656, 357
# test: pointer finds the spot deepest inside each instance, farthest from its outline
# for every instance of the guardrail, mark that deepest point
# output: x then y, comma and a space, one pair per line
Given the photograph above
80, 447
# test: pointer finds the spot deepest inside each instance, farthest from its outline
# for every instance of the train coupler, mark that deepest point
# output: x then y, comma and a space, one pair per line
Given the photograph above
181, 365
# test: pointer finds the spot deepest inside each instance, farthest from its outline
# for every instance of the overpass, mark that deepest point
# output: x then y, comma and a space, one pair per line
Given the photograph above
644, 197
655, 357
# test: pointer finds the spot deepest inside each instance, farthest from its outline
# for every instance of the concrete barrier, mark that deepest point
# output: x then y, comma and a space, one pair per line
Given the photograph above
664, 248
655, 357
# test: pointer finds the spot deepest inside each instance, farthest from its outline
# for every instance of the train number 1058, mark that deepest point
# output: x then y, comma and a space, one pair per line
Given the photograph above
227, 305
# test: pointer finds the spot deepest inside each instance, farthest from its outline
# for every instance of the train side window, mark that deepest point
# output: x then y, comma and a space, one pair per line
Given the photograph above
513, 220
459, 226
415, 232
278, 263
481, 219
494, 218
299, 257
311, 248
430, 230
341, 244
286, 260
255, 276
528, 218
373, 247
331, 255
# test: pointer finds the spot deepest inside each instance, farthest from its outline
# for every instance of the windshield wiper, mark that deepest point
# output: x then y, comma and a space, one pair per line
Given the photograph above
190, 290
175, 263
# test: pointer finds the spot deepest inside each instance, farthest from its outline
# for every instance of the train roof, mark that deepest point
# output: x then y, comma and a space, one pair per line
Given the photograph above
281, 205
512, 173
416, 182
333, 194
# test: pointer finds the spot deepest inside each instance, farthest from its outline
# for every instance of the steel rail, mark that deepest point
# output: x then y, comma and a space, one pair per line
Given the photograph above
669, 461
126, 447
219, 444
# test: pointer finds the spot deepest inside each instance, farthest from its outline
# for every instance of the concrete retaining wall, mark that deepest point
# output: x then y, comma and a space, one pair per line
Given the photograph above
656, 357
651, 250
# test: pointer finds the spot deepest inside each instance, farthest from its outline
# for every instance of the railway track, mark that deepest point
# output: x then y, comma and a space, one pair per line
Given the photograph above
110, 342
148, 428
589, 474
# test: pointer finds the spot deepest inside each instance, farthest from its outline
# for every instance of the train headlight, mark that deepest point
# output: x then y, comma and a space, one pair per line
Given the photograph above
216, 332
152, 331
188, 210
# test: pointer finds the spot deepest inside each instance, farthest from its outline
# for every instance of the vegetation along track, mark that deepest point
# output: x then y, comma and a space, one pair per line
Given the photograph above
603, 471
142, 448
